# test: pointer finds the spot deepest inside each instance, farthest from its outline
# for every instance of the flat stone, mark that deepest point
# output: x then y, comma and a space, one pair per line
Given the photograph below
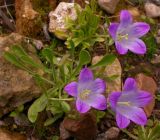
152, 10
7, 135
111, 70
147, 83
16, 86
108, 5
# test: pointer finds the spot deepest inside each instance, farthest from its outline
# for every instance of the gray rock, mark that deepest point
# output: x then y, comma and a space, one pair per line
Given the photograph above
112, 133
57, 19
152, 10
108, 5
16, 86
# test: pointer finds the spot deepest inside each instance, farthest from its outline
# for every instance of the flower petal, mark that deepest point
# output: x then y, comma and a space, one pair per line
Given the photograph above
97, 101
99, 86
130, 84
86, 75
82, 107
125, 18
142, 99
120, 48
122, 121
133, 113
137, 46
136, 98
72, 89
113, 98
138, 29
113, 30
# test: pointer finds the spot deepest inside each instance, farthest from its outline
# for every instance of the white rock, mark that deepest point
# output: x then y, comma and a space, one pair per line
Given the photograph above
152, 10
57, 19
108, 5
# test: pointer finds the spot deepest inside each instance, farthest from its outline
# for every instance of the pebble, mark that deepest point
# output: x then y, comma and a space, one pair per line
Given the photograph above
152, 10
112, 133
108, 5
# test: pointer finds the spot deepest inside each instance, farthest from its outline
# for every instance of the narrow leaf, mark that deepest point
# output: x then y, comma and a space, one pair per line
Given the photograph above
106, 60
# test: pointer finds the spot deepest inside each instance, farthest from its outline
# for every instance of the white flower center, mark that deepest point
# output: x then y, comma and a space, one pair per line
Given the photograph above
124, 103
84, 94
121, 37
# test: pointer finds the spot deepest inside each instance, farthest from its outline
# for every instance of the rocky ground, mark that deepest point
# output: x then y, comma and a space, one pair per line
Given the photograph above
36, 23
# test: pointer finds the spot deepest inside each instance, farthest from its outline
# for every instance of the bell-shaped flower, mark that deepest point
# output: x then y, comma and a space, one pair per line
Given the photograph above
88, 92
126, 34
128, 104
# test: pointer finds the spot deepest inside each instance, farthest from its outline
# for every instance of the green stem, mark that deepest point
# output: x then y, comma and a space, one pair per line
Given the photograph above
46, 80
129, 134
57, 99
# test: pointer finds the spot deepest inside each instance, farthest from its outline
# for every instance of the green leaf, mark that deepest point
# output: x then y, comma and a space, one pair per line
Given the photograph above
106, 60
55, 107
65, 106
84, 57
155, 133
55, 138
151, 46
99, 115
20, 108
53, 119
30, 61
13, 59
38, 106
13, 114
48, 54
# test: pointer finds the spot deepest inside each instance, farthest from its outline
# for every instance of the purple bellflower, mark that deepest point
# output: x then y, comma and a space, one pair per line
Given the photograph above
88, 92
127, 104
126, 34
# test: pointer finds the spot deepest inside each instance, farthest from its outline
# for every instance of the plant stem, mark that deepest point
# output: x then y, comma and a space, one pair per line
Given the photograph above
129, 134
57, 99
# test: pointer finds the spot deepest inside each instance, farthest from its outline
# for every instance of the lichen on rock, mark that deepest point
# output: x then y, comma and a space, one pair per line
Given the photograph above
57, 19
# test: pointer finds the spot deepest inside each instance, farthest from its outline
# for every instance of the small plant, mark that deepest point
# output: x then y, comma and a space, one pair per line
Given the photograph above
58, 72
149, 133
84, 31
